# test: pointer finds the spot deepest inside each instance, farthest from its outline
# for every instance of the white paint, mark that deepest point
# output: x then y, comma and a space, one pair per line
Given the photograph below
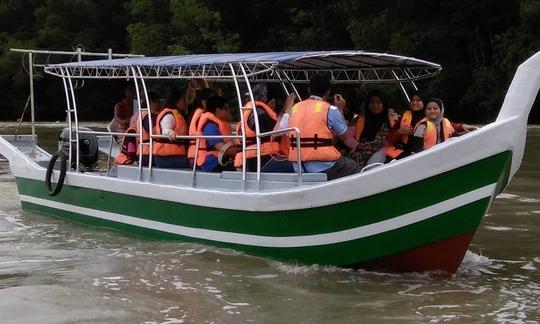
280, 242
442, 158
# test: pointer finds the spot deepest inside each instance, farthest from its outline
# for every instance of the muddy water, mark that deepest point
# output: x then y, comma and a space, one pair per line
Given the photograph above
54, 271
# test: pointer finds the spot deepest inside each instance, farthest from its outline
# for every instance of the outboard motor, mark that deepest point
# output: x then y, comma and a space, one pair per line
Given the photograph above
88, 147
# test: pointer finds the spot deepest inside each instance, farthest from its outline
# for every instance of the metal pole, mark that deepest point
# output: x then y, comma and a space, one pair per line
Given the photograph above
139, 122
401, 86
32, 107
242, 124
256, 118
74, 105
68, 104
197, 141
292, 86
109, 156
282, 83
22, 116
150, 125
408, 73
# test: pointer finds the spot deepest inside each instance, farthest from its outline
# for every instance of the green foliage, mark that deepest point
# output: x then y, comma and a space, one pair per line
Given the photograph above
197, 29
478, 42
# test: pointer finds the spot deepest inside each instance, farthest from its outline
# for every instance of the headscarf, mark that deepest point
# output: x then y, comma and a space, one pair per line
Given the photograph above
441, 106
420, 114
374, 122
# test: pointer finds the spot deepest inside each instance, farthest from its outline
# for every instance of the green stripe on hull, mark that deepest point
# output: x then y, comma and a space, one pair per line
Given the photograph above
319, 220
454, 223
331, 218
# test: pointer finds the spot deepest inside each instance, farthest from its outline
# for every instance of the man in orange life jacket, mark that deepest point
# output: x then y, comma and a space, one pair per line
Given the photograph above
274, 150
319, 122
215, 121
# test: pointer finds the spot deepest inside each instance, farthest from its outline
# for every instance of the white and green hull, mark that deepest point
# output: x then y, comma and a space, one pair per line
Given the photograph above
418, 213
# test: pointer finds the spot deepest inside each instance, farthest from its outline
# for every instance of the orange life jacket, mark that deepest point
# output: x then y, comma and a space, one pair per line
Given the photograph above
224, 129
125, 157
145, 135
164, 147
269, 145
431, 136
193, 130
311, 118
392, 150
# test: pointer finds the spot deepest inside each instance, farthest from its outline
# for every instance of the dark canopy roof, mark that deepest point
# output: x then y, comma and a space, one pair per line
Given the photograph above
295, 65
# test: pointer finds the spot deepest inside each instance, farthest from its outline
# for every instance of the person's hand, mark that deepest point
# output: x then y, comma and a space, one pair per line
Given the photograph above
405, 130
392, 115
172, 135
468, 128
289, 102
340, 102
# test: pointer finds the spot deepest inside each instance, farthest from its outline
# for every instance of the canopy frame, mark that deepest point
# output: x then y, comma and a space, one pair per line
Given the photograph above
345, 67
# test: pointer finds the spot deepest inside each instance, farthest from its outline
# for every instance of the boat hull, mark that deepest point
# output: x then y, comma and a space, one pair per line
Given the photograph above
426, 225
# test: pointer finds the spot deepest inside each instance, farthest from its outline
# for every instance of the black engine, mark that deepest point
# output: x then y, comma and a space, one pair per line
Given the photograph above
88, 147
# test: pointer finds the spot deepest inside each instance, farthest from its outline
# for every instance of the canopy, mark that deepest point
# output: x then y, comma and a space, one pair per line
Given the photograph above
345, 66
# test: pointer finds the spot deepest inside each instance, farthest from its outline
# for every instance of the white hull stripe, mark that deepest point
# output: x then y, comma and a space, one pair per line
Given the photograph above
274, 241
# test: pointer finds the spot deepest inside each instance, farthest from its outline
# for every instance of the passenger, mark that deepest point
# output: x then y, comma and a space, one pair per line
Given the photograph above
433, 129
201, 97
318, 122
274, 149
372, 127
155, 109
401, 135
215, 121
171, 153
123, 111
128, 150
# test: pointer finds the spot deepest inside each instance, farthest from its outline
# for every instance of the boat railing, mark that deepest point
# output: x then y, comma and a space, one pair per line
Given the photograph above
197, 139
284, 131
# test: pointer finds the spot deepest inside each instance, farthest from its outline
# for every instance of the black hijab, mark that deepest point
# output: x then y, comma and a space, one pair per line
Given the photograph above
420, 114
374, 122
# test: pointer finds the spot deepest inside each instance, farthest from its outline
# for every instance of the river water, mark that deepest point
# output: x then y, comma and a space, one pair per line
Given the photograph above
54, 271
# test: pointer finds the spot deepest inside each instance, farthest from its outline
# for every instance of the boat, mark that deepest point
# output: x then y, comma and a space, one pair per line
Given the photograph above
415, 214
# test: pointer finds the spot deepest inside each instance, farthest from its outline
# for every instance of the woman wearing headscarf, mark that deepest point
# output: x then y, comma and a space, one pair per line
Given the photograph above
372, 127
433, 129
401, 135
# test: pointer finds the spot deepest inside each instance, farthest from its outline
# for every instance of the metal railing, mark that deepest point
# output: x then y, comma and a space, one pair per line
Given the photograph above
197, 139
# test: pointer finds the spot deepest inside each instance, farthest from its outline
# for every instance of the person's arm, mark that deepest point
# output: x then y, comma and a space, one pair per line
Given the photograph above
212, 129
338, 125
359, 127
458, 127
463, 128
167, 125
417, 141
